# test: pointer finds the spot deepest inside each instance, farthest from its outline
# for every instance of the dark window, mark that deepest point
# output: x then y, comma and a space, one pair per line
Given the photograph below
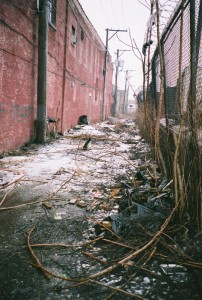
73, 30
82, 34
52, 12
74, 38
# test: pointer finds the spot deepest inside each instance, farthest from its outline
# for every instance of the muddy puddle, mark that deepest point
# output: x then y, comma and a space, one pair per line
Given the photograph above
83, 224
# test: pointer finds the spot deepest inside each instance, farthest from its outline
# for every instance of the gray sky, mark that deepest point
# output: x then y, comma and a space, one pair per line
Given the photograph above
132, 15
120, 14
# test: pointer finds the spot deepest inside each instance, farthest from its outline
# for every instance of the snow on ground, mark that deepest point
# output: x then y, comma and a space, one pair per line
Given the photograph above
50, 165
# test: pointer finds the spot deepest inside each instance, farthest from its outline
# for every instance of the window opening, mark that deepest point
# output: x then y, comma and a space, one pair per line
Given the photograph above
52, 12
74, 38
73, 30
82, 34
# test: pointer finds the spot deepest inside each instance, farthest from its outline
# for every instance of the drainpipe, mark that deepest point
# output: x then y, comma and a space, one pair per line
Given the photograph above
64, 67
105, 75
116, 85
42, 72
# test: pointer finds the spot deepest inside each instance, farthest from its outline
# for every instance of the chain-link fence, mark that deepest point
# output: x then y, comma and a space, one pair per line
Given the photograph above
181, 44
180, 70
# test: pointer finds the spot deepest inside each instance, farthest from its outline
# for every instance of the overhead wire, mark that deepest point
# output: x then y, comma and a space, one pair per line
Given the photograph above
131, 86
114, 15
104, 12
123, 14
144, 4
123, 41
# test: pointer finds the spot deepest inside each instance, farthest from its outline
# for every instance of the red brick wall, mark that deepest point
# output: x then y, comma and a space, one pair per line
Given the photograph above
17, 75
75, 73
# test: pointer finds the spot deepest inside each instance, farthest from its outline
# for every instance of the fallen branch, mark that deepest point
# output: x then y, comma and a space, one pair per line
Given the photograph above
135, 253
68, 246
192, 264
133, 275
4, 198
118, 290
40, 201
169, 183
46, 272
39, 265
157, 197
107, 228
90, 255
86, 280
12, 181
119, 244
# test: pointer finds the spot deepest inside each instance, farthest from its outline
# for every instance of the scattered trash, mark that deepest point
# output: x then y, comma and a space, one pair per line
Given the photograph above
58, 215
108, 211
47, 205
114, 192
87, 144
175, 272
51, 120
60, 171
72, 201
97, 194
81, 203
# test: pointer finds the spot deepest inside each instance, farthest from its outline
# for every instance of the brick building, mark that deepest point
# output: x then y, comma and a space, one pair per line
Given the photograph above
74, 69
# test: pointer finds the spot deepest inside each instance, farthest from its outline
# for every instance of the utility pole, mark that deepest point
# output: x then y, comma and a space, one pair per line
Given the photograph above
126, 91
105, 74
42, 71
105, 67
116, 100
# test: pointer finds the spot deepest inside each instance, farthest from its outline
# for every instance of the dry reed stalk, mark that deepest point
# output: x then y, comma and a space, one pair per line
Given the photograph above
177, 169
158, 151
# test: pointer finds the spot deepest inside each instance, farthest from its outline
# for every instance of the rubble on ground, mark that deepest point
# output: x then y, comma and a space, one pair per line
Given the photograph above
90, 224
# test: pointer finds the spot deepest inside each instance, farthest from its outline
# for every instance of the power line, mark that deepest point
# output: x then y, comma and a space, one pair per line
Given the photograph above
115, 19
123, 12
123, 42
104, 12
144, 4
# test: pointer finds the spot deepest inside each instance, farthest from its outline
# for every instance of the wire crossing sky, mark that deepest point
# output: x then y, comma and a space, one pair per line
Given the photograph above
131, 15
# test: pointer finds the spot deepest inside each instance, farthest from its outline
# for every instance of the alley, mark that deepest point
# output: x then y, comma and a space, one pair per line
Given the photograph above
60, 237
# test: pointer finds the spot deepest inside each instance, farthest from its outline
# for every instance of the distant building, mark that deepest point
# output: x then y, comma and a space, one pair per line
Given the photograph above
75, 69
132, 105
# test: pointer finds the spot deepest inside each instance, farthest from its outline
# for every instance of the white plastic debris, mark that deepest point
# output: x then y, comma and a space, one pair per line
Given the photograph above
59, 215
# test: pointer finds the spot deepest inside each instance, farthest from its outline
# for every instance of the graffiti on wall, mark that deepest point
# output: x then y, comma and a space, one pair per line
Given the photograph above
16, 112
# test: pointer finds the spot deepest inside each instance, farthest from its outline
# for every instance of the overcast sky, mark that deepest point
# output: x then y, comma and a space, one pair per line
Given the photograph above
125, 15
120, 14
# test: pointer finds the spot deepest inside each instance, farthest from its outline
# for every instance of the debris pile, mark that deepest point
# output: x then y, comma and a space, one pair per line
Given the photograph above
93, 224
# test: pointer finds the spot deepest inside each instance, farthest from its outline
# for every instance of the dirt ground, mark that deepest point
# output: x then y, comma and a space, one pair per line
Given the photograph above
84, 224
